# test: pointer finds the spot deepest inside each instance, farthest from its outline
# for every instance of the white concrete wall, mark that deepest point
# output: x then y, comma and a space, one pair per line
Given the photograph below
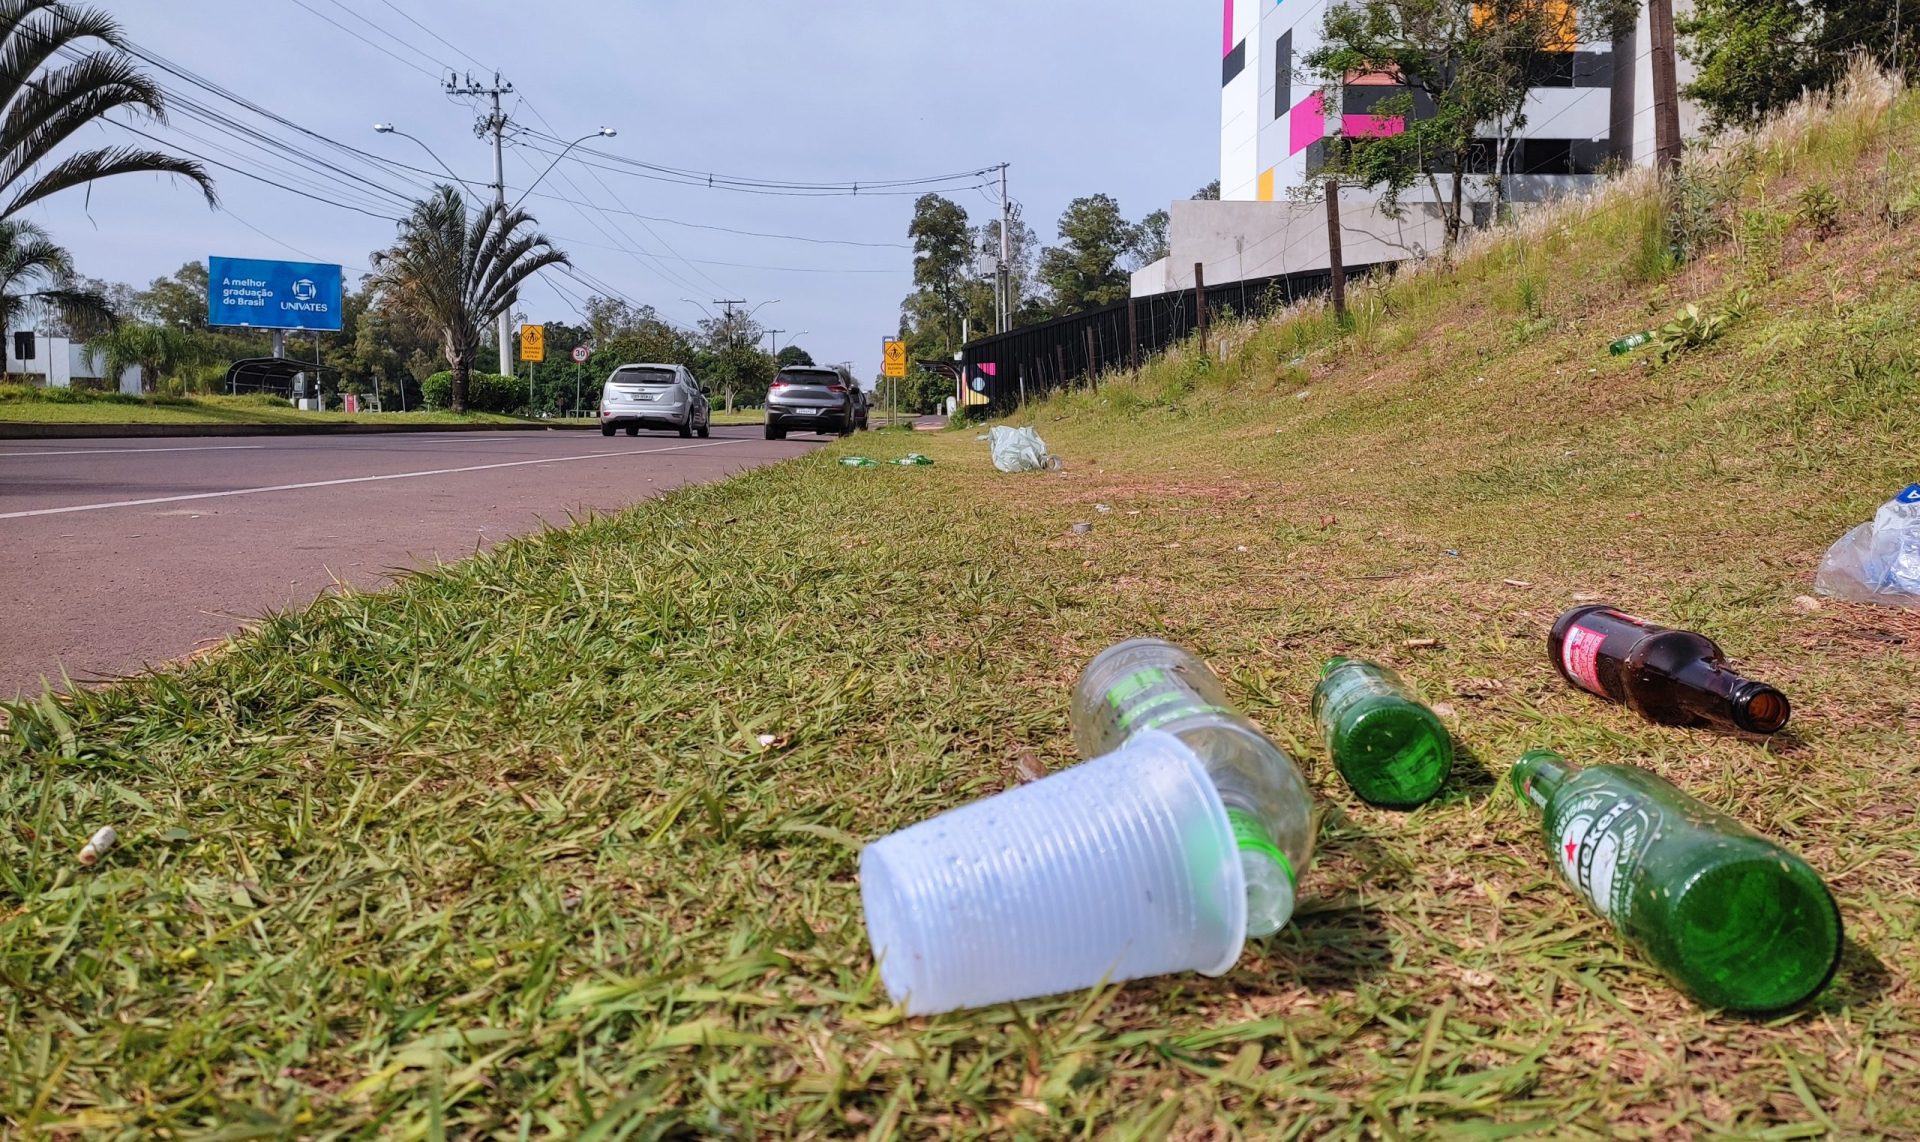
57, 362
1237, 241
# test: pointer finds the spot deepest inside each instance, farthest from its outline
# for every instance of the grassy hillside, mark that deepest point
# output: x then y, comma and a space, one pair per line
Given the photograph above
501, 853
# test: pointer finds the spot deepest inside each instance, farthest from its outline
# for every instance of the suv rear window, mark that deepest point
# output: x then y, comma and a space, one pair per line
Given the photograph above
643, 377
807, 377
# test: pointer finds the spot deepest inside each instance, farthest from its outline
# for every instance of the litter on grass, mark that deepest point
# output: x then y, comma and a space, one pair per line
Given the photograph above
914, 459
1879, 561
1017, 449
858, 462
97, 845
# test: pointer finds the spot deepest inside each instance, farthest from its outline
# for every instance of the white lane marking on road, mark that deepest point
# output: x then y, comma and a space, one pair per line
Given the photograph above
360, 480
137, 451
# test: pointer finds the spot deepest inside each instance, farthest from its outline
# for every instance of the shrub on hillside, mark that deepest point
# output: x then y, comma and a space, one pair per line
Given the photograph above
486, 392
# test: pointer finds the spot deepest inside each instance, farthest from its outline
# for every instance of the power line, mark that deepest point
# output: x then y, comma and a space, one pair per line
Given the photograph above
396, 39
659, 269
377, 162
744, 265
634, 168
643, 225
743, 233
249, 174
356, 35
436, 35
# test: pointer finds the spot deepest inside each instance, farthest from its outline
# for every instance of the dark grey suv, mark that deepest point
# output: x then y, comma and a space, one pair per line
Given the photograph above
814, 398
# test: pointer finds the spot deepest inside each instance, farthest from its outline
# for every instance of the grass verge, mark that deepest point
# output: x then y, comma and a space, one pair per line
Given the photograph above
22, 404
500, 853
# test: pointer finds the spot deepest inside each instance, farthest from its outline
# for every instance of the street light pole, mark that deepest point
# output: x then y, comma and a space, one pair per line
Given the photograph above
602, 133
390, 129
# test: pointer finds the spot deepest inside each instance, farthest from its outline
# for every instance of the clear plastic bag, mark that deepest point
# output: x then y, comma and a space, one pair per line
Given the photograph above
1017, 449
1878, 562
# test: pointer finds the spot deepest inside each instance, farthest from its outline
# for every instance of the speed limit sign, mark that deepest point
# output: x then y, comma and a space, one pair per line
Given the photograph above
580, 354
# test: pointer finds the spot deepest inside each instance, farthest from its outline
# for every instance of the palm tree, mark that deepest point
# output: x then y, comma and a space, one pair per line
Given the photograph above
35, 271
159, 350
42, 106
456, 274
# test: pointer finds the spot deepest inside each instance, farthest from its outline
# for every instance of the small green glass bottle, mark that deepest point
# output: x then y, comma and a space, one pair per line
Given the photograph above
1392, 750
1630, 342
1737, 921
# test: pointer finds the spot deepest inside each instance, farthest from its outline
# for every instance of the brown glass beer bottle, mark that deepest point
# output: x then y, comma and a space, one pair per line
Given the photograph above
1670, 677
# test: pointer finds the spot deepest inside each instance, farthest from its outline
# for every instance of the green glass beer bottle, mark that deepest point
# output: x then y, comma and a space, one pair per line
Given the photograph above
1391, 749
1630, 342
1737, 921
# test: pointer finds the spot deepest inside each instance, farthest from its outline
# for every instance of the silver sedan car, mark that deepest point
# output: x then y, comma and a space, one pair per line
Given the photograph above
663, 397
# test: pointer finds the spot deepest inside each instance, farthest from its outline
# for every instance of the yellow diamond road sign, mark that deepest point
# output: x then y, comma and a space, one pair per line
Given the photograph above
895, 358
533, 342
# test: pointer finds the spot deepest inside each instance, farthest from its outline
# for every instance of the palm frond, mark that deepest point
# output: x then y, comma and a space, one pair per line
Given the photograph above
89, 166
33, 31
78, 306
60, 102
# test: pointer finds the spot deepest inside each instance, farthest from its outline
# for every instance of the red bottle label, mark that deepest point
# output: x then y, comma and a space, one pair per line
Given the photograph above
1579, 652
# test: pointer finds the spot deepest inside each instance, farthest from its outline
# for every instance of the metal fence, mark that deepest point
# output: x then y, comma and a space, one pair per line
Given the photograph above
1010, 368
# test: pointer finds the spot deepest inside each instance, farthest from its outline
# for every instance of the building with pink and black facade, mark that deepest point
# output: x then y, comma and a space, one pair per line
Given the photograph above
1590, 104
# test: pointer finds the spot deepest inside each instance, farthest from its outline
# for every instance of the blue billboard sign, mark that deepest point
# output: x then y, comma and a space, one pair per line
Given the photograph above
272, 295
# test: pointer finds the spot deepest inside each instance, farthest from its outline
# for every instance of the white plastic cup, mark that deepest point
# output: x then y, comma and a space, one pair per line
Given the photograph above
1118, 868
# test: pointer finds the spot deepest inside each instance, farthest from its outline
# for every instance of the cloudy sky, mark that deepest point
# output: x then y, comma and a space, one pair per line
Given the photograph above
1120, 96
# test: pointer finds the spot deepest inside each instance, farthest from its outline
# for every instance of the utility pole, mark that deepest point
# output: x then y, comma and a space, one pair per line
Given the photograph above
495, 123
1200, 304
733, 336
1336, 260
775, 334
1666, 98
1004, 282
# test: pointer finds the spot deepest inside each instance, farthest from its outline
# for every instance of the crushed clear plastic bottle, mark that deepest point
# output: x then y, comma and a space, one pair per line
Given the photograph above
1150, 684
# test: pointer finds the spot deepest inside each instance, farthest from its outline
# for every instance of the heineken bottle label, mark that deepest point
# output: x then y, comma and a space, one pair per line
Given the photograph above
1601, 837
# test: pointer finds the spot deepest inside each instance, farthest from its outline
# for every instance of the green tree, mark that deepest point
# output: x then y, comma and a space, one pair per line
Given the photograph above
793, 355
1153, 236
456, 273
1757, 56
36, 273
942, 261
1469, 59
1208, 193
121, 305
180, 300
728, 359
1086, 270
162, 352
393, 352
46, 104
1023, 247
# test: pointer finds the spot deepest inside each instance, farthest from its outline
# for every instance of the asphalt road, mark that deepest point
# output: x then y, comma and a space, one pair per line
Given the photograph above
116, 554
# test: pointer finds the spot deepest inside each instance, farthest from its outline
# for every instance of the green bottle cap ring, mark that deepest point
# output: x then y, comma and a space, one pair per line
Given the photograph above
1250, 835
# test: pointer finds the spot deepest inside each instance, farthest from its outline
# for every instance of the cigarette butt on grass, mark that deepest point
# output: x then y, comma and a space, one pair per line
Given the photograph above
97, 846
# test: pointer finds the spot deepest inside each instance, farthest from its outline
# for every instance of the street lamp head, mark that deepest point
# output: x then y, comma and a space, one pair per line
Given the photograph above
608, 132
383, 128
